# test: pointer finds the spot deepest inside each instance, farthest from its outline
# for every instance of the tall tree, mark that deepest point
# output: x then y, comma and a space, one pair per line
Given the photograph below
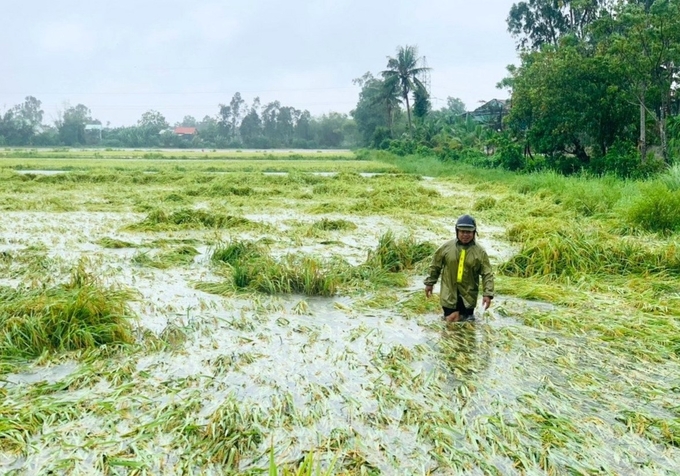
71, 124
407, 70
251, 125
543, 22
421, 103
643, 40
224, 121
377, 107
237, 106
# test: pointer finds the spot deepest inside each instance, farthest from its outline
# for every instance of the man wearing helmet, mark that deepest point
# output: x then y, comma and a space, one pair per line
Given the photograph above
460, 263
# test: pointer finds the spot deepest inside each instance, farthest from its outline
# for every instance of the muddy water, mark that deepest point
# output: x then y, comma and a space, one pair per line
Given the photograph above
322, 367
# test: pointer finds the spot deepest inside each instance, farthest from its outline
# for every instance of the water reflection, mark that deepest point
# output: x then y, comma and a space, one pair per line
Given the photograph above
465, 349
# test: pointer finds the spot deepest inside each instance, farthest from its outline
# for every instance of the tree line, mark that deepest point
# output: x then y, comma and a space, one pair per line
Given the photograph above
596, 89
235, 125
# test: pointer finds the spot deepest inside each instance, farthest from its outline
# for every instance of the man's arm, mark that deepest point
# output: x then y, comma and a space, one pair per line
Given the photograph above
487, 281
435, 270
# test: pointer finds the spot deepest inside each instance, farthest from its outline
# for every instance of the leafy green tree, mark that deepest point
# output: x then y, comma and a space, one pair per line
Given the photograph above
251, 125
454, 106
150, 126
303, 128
421, 103
565, 103
643, 42
153, 121
377, 107
71, 125
535, 23
270, 115
189, 121
225, 121
406, 70
331, 129
237, 108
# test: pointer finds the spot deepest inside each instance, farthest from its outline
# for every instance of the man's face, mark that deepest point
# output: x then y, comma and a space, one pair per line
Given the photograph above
465, 236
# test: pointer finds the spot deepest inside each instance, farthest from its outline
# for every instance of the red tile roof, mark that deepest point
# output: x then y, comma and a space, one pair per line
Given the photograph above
187, 131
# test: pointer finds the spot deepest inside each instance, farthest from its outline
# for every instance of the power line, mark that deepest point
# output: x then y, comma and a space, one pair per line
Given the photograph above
150, 93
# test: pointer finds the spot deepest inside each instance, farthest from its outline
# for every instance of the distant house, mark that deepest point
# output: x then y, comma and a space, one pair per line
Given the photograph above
94, 129
185, 131
490, 113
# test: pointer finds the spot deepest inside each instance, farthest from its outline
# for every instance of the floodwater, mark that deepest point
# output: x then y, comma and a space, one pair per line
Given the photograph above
320, 367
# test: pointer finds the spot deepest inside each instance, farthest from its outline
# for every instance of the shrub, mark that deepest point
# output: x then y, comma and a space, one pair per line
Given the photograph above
656, 209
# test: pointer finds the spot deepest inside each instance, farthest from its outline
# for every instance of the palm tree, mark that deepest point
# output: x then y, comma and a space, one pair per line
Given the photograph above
405, 69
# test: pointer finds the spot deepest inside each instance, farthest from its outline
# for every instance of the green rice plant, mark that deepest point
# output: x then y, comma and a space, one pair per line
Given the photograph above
417, 304
396, 255
292, 274
114, 243
397, 196
79, 314
589, 196
224, 188
188, 218
174, 197
656, 209
327, 224
237, 250
485, 203
665, 431
569, 253
232, 431
306, 467
671, 178
180, 256
370, 274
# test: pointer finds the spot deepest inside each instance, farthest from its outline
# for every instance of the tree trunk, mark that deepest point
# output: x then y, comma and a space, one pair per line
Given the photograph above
662, 128
643, 131
408, 112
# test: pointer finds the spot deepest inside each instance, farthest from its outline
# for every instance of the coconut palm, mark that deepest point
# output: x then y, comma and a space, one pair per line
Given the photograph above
406, 70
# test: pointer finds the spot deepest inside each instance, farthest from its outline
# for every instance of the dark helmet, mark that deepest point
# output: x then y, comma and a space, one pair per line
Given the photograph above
466, 222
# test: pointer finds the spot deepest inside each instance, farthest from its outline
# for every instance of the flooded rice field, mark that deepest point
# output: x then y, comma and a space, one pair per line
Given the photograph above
226, 372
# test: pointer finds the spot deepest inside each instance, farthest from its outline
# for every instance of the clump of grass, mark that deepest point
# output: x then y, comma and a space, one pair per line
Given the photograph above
291, 275
79, 314
114, 243
180, 256
236, 251
326, 224
484, 203
188, 218
662, 430
174, 197
232, 431
221, 189
671, 179
656, 209
396, 255
401, 196
570, 253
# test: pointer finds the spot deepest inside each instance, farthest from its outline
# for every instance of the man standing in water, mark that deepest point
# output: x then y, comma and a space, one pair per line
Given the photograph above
461, 262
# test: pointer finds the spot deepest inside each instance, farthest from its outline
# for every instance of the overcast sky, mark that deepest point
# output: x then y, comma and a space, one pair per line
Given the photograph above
124, 57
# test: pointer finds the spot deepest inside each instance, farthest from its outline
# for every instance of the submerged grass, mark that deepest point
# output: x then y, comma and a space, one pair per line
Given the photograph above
159, 220
179, 256
252, 267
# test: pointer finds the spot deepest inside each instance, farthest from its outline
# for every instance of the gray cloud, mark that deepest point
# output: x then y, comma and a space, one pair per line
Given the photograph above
125, 57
